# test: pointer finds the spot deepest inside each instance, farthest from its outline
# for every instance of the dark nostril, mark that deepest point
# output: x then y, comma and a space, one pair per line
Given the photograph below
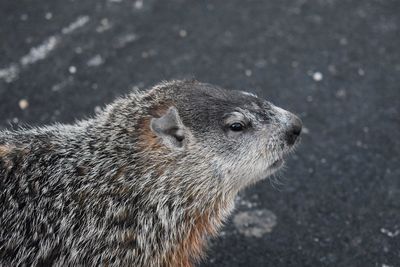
294, 130
296, 125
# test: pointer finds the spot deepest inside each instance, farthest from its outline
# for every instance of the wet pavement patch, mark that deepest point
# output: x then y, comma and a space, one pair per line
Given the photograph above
255, 223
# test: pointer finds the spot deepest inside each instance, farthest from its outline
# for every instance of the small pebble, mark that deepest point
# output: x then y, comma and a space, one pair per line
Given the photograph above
23, 104
145, 54
390, 233
332, 69
48, 16
95, 61
78, 50
317, 76
72, 69
182, 33
341, 93
24, 17
138, 4
105, 25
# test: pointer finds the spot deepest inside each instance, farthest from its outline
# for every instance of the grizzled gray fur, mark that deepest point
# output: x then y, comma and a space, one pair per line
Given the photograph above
143, 183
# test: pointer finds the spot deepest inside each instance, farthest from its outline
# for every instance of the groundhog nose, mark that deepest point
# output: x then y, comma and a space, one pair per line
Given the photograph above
294, 130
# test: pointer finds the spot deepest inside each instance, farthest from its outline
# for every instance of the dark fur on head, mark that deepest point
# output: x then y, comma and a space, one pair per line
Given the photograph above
141, 184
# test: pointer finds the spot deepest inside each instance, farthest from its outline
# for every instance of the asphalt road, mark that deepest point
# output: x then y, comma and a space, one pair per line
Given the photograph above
336, 63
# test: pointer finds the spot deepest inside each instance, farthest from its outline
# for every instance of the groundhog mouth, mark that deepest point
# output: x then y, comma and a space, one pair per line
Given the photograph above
277, 164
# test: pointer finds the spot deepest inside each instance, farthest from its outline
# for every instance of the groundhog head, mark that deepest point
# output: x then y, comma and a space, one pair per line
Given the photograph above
242, 137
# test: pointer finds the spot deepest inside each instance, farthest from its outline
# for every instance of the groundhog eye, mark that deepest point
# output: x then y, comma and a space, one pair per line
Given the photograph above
236, 127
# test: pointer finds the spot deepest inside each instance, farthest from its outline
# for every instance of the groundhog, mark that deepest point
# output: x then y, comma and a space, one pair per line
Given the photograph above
143, 183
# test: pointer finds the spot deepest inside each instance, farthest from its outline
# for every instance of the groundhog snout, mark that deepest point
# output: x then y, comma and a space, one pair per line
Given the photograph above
293, 130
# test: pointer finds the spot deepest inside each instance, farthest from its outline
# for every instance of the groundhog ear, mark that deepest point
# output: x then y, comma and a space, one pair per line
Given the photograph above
169, 128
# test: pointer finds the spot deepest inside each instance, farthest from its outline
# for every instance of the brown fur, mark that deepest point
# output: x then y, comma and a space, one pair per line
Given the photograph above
147, 139
192, 246
149, 142
5, 151
6, 155
120, 173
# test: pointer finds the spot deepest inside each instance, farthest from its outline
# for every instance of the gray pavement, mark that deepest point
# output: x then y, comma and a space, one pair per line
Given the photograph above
335, 63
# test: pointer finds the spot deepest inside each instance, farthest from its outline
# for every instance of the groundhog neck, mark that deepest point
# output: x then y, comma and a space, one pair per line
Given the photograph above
147, 191
189, 200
